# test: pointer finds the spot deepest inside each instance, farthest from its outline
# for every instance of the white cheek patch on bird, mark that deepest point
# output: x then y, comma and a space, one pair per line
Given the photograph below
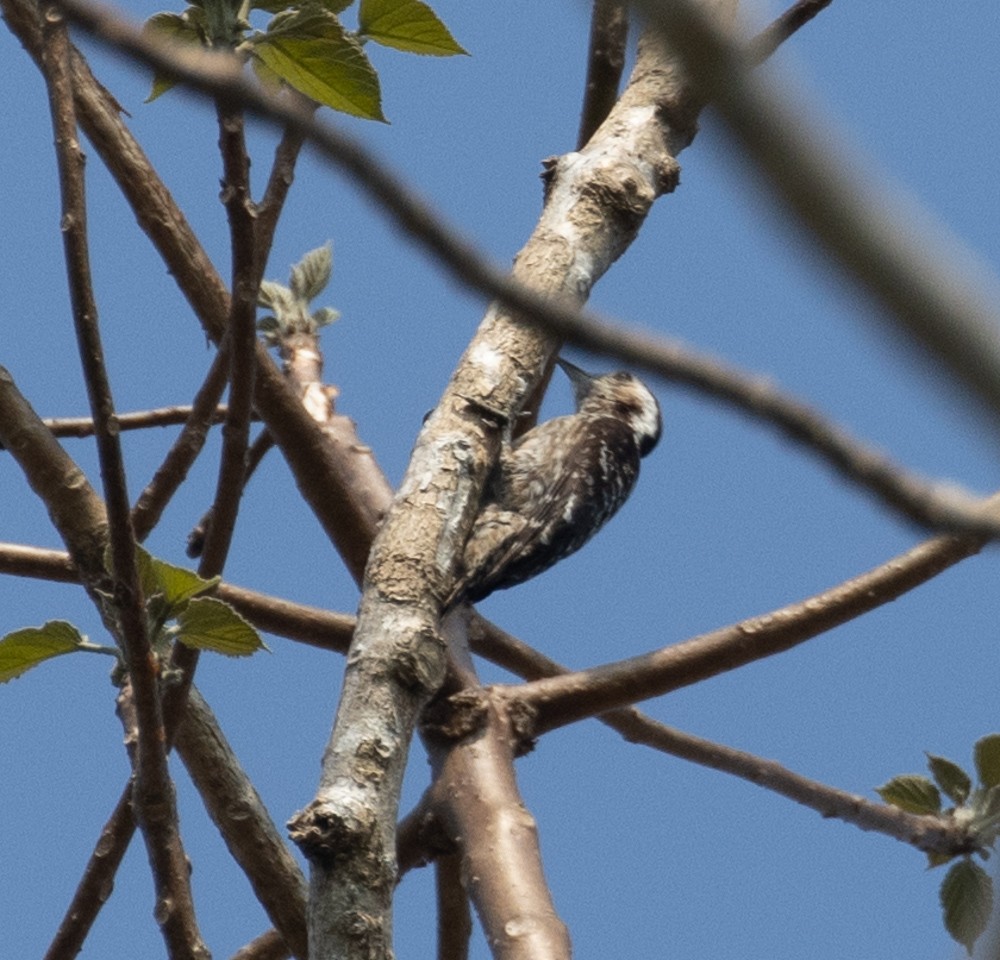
559, 483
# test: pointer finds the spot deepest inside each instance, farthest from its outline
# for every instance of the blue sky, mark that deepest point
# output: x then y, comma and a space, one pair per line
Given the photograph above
647, 855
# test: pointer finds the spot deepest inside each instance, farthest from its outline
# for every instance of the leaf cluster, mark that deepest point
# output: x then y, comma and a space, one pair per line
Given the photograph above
177, 608
290, 305
306, 46
967, 889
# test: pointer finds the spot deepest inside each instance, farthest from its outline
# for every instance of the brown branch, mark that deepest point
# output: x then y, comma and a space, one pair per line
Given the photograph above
75, 509
244, 823
930, 834
255, 455
203, 412
241, 336
454, 921
296, 621
933, 504
233, 803
92, 891
153, 797
419, 833
81, 427
477, 805
605, 62
777, 32
270, 945
565, 699
279, 182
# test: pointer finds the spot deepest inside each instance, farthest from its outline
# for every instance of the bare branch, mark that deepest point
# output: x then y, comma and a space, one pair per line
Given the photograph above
81, 427
933, 504
605, 62
241, 336
286, 156
98, 878
453, 918
930, 834
244, 823
776, 33
174, 469
152, 787
75, 509
477, 805
564, 699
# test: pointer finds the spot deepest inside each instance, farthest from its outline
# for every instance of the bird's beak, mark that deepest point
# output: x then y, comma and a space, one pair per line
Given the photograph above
580, 379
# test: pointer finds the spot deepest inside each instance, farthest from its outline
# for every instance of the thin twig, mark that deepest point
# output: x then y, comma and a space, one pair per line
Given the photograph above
605, 63
286, 155
776, 33
258, 450
98, 877
241, 337
82, 427
931, 834
152, 788
185, 449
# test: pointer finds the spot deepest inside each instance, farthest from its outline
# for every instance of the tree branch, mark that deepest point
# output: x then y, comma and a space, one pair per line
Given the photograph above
268, 946
244, 823
454, 921
81, 427
931, 834
561, 700
92, 891
775, 34
241, 338
153, 796
605, 62
172, 472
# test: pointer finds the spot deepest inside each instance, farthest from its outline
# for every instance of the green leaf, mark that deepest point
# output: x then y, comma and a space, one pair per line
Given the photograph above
187, 28
312, 52
176, 585
986, 803
967, 899
210, 624
312, 273
987, 755
951, 778
274, 295
408, 25
912, 793
325, 315
24, 649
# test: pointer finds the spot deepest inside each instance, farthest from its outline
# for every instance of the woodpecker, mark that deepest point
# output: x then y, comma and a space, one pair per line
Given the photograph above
558, 484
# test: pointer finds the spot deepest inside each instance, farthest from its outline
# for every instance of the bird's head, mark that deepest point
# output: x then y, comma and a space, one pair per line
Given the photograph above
621, 396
